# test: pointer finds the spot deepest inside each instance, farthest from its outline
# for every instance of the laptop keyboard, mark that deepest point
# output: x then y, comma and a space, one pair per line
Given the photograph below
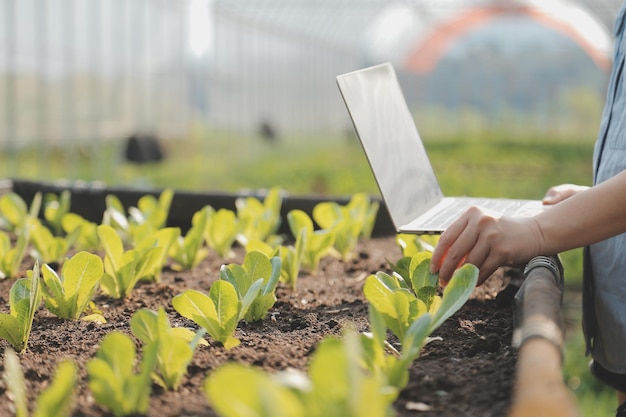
449, 214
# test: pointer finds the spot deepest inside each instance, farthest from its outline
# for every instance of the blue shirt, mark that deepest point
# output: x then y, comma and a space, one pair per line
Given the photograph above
607, 310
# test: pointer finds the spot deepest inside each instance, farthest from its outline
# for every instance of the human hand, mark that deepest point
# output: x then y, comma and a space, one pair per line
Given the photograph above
561, 192
487, 241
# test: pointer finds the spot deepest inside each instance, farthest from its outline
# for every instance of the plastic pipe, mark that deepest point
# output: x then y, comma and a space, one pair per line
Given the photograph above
539, 334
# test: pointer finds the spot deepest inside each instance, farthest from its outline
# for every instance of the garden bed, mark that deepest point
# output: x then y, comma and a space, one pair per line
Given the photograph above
469, 369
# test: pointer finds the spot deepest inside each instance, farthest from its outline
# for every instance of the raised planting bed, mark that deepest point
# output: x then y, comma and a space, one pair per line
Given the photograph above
468, 369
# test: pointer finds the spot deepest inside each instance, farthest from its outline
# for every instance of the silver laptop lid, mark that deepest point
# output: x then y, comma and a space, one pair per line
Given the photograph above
391, 141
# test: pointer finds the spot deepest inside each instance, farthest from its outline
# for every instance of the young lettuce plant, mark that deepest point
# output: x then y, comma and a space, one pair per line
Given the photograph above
400, 306
315, 243
124, 269
175, 345
56, 400
54, 208
112, 381
11, 257
14, 212
188, 251
393, 366
81, 233
48, 248
337, 385
260, 221
348, 223
149, 215
410, 244
290, 257
162, 240
218, 313
255, 281
24, 300
68, 296
221, 231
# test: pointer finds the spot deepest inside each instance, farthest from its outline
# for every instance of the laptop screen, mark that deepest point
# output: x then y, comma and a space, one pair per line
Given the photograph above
391, 141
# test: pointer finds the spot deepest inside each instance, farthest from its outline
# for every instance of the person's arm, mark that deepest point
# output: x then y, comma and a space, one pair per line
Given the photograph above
488, 242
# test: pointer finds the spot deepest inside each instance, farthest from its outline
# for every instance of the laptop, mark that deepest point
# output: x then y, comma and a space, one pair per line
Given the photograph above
398, 159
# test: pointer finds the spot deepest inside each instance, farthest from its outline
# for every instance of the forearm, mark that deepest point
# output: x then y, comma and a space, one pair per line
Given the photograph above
585, 218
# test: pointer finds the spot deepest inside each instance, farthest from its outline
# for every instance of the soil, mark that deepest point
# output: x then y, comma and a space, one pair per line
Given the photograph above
470, 371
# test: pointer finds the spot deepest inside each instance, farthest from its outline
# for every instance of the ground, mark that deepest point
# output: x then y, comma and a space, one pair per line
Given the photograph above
469, 372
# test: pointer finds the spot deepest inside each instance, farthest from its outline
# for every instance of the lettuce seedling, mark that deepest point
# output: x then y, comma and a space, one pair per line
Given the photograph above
68, 296
342, 386
188, 251
400, 307
410, 244
348, 223
24, 300
255, 282
112, 380
11, 257
56, 400
14, 379
175, 345
47, 247
221, 231
149, 215
315, 243
163, 240
290, 257
393, 366
54, 208
218, 313
234, 387
336, 385
123, 269
81, 233
259, 221
14, 212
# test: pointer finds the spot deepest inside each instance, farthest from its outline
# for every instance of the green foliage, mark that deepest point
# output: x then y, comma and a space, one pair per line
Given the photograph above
68, 296
149, 216
58, 398
123, 269
11, 257
188, 251
235, 387
112, 380
348, 223
14, 212
315, 243
395, 366
337, 385
24, 300
259, 221
218, 313
410, 244
158, 245
175, 345
81, 233
221, 231
290, 257
255, 282
55, 208
14, 380
400, 303
47, 247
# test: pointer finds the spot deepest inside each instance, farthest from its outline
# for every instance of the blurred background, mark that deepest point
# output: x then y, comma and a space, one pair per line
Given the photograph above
225, 95
80, 79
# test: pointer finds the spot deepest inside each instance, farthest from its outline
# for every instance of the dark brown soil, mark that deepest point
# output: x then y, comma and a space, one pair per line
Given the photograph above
470, 372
